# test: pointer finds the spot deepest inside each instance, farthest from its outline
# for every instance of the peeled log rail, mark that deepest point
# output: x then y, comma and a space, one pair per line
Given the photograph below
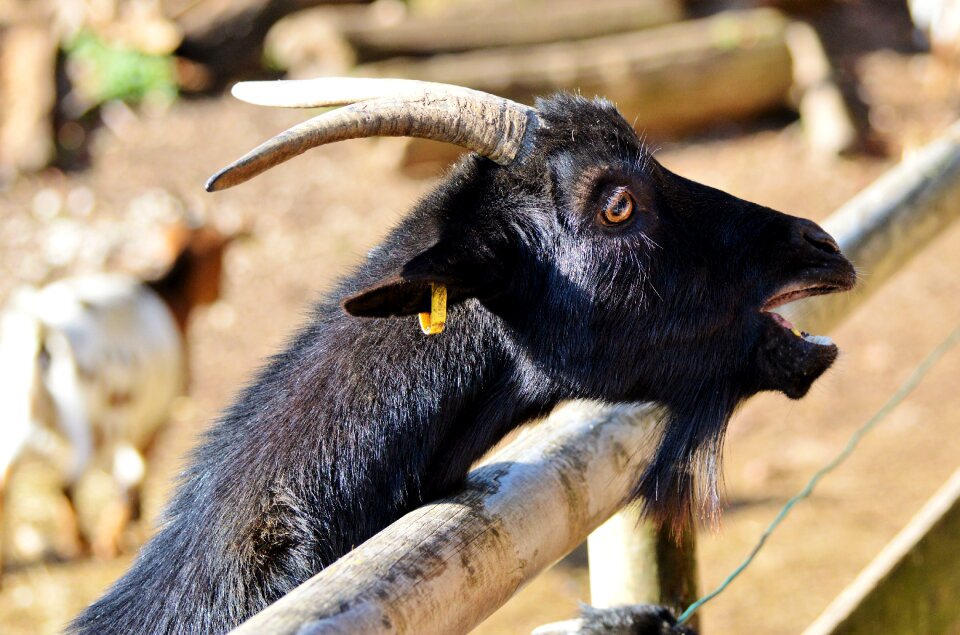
665, 80
444, 567
447, 565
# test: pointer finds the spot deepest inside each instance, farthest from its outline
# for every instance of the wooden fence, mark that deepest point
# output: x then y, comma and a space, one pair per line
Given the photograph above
444, 567
913, 585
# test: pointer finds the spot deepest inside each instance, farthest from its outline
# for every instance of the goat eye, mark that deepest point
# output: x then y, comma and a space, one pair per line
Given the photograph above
619, 208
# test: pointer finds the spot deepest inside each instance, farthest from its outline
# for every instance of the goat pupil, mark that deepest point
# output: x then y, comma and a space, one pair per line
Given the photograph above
619, 208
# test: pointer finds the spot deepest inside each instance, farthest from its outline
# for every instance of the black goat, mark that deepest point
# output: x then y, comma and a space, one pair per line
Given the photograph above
575, 266
637, 619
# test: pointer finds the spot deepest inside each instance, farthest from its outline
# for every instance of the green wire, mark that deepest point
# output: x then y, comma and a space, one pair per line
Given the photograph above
908, 387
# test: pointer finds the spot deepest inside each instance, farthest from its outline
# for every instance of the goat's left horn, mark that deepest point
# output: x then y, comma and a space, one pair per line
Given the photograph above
491, 126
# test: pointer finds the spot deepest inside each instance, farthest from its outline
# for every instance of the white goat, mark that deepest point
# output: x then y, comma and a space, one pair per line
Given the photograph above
89, 367
939, 21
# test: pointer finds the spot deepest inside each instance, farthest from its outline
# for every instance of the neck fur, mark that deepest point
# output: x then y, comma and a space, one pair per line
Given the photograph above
328, 446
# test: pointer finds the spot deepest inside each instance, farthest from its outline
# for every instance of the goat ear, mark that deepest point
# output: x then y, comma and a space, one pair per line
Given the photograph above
408, 292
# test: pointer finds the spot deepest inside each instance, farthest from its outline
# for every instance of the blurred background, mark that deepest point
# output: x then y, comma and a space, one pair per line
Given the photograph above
114, 112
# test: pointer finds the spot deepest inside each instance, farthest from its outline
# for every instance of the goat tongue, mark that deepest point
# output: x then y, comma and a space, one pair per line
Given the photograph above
782, 321
819, 340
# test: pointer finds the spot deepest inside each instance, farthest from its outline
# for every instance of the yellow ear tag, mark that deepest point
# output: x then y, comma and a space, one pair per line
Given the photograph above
432, 323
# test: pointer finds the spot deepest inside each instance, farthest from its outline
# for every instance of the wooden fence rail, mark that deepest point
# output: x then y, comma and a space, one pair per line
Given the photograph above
446, 566
913, 585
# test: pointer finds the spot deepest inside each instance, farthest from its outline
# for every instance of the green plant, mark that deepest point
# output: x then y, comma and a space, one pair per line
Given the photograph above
102, 71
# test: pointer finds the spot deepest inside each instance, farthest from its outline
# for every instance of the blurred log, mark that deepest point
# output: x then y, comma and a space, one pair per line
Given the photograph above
440, 7
331, 40
517, 24
227, 35
309, 43
141, 27
28, 93
667, 80
827, 121
14, 12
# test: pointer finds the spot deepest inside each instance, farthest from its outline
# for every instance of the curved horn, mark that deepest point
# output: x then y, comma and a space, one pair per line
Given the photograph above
491, 126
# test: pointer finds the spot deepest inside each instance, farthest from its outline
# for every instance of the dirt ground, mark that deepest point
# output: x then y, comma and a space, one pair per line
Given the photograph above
313, 218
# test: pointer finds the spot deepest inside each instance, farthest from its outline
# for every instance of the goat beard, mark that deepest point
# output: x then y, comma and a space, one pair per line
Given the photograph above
683, 481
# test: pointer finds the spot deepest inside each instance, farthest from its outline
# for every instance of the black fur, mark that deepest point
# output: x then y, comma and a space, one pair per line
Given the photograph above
637, 619
363, 418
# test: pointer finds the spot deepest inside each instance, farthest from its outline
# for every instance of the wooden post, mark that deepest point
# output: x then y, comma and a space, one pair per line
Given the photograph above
913, 586
827, 121
632, 562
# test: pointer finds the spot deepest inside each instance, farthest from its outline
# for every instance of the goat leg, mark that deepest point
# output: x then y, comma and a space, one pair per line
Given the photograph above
75, 542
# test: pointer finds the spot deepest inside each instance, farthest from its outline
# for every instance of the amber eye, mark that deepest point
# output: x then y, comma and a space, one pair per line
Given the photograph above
619, 208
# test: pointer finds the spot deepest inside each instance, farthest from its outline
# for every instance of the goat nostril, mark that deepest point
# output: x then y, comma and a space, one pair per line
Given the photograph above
820, 239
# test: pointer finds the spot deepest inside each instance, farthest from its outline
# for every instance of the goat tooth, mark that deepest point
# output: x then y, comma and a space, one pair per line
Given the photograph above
819, 340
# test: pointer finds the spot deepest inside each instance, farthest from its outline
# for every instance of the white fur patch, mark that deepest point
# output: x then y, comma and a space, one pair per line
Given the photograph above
90, 357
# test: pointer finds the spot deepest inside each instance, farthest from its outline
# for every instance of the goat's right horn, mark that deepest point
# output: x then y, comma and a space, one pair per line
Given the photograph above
491, 126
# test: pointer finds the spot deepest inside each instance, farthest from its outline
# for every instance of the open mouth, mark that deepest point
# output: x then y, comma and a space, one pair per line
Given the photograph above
796, 291
790, 360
